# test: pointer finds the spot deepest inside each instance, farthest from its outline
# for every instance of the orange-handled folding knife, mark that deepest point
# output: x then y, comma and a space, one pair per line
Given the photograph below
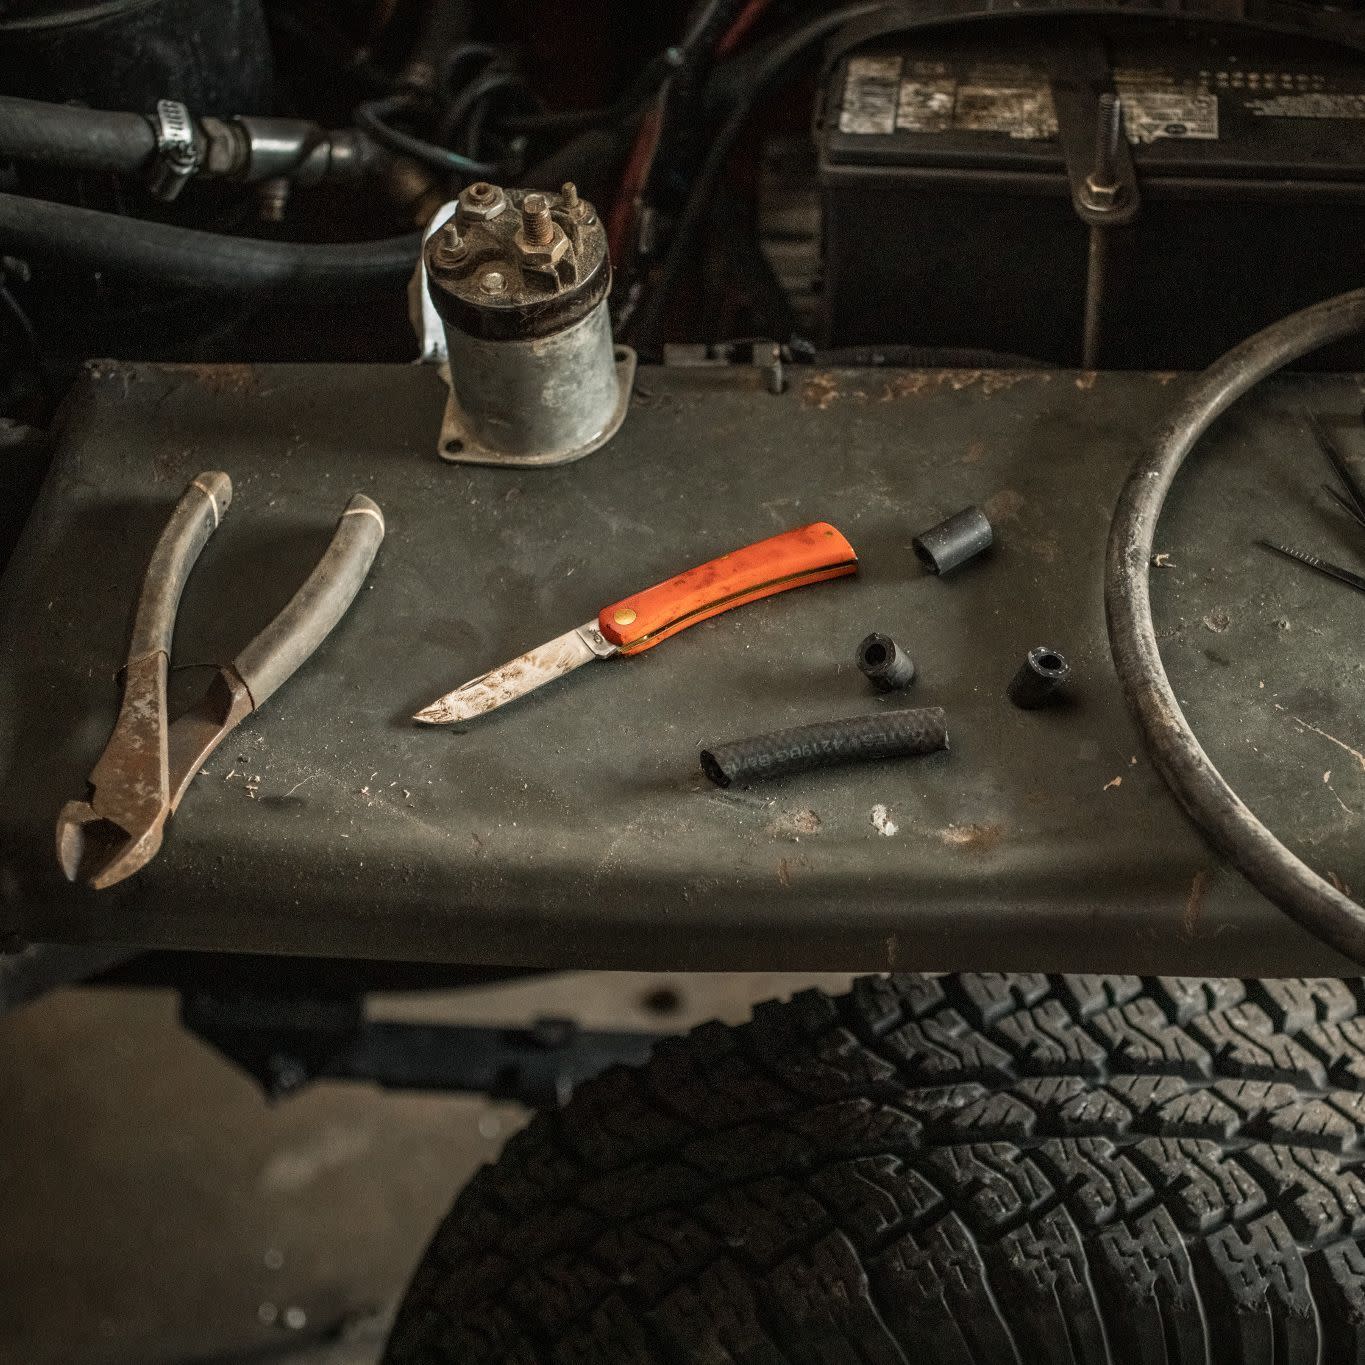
809, 554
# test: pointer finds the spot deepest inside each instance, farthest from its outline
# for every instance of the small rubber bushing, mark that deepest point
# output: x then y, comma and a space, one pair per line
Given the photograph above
951, 543
884, 664
1041, 679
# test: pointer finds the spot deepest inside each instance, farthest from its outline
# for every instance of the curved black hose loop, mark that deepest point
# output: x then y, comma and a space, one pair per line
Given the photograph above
374, 115
477, 56
181, 258
1219, 812
460, 115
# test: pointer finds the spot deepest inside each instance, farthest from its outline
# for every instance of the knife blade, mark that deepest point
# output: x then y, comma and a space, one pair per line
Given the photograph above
808, 554
519, 676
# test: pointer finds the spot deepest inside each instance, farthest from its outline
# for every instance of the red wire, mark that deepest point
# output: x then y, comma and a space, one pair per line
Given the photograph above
632, 182
744, 21
646, 138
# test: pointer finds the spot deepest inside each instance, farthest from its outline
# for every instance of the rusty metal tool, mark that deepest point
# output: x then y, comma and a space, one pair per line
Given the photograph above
148, 762
809, 554
1322, 566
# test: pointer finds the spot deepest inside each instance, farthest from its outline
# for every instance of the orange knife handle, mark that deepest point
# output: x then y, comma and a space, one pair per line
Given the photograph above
809, 554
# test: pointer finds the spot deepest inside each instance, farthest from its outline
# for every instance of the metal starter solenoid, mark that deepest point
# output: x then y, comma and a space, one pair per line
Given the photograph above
520, 281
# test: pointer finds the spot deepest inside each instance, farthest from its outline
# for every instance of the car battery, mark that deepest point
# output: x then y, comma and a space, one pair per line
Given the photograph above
947, 213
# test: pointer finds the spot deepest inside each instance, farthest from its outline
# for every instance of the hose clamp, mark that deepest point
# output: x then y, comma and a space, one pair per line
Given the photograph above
178, 152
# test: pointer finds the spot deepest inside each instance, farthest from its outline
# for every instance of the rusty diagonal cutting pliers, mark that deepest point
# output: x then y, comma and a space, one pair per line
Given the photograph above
148, 763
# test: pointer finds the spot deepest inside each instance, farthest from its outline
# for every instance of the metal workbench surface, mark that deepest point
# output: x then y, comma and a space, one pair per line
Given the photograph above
574, 827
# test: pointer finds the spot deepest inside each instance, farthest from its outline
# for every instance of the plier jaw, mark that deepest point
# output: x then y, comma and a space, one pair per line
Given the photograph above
98, 851
117, 828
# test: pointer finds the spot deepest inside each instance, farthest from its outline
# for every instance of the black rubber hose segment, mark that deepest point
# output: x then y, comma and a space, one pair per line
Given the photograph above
893, 734
885, 664
185, 258
1041, 679
951, 543
72, 138
1218, 811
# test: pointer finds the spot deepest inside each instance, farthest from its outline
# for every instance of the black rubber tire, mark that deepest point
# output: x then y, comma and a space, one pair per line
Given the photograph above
961, 1170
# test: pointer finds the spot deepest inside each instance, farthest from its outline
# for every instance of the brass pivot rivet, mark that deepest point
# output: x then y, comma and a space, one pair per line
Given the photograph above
624, 617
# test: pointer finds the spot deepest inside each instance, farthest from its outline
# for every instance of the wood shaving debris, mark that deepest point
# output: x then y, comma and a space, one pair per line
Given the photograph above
1113, 782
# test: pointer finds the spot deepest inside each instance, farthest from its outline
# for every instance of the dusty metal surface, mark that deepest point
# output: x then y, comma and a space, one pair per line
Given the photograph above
576, 827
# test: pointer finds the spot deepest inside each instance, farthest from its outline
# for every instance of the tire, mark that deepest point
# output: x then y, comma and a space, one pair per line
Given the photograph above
960, 1170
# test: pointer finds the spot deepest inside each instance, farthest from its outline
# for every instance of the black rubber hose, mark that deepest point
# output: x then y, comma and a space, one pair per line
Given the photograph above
884, 663
181, 258
588, 160
891, 734
76, 139
1219, 812
374, 116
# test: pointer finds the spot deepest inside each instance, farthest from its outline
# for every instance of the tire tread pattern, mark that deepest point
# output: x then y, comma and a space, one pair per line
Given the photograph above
959, 1170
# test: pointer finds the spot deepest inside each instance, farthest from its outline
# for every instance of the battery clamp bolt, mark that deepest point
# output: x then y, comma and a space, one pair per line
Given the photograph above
1103, 189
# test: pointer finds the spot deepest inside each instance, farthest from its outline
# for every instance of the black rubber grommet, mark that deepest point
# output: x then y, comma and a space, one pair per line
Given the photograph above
884, 664
1041, 679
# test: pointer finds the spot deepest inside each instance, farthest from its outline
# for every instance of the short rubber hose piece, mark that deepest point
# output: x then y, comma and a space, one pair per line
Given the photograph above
951, 543
1041, 679
884, 664
893, 734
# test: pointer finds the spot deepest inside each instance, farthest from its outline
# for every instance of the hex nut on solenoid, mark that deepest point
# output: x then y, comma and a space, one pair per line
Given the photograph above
481, 202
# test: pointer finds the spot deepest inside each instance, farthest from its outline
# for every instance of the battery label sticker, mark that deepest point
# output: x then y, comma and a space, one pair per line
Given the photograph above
870, 94
997, 98
1316, 104
926, 105
1020, 111
1175, 110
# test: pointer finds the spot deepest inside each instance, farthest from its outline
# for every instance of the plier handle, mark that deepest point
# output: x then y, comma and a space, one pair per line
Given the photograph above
148, 763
